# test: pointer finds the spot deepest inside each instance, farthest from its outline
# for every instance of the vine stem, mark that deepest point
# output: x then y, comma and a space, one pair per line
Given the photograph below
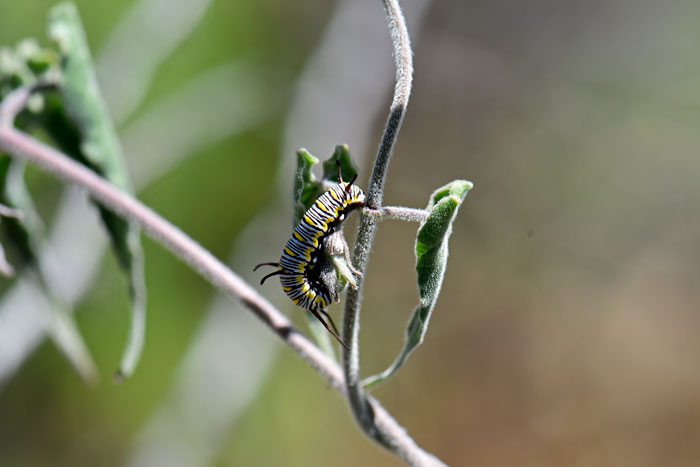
21, 145
359, 401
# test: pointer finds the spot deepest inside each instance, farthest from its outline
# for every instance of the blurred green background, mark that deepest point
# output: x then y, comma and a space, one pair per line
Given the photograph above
566, 331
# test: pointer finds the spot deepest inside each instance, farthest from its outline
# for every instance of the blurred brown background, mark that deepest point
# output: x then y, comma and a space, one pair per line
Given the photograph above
566, 330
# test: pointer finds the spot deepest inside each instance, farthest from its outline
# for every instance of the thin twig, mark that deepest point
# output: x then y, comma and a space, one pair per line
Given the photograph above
358, 399
399, 212
21, 145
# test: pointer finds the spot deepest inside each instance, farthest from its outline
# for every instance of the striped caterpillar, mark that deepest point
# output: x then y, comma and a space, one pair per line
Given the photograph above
304, 263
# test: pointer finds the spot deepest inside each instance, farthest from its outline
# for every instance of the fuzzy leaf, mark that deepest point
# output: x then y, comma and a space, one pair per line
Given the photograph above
431, 261
347, 166
100, 150
307, 188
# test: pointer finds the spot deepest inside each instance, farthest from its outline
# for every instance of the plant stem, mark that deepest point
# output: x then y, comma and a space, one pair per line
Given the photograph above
358, 399
21, 145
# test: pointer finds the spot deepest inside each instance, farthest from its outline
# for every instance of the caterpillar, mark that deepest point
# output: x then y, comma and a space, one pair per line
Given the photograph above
303, 259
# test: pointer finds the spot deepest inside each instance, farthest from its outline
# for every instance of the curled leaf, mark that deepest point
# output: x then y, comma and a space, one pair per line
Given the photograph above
337, 247
307, 188
431, 262
347, 165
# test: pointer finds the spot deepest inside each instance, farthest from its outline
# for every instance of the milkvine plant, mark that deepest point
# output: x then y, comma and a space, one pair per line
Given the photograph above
53, 91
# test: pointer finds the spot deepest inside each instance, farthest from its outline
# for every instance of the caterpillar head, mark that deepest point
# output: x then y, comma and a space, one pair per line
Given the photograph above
353, 194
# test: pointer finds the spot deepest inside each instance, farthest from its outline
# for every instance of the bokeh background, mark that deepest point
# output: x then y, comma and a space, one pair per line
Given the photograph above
566, 331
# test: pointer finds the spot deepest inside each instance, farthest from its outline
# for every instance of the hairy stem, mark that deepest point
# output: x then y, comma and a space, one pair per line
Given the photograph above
358, 399
21, 145
399, 212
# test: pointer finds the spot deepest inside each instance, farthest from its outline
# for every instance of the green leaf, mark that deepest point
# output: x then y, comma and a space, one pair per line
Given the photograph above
431, 261
26, 236
39, 60
305, 188
25, 65
100, 150
347, 165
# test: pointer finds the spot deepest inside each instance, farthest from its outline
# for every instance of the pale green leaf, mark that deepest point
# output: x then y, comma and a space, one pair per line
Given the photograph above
347, 165
431, 262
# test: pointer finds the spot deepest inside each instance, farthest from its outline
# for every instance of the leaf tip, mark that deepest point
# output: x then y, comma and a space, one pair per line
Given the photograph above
457, 189
304, 155
58, 14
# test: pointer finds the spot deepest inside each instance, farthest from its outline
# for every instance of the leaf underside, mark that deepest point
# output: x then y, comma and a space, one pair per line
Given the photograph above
431, 262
